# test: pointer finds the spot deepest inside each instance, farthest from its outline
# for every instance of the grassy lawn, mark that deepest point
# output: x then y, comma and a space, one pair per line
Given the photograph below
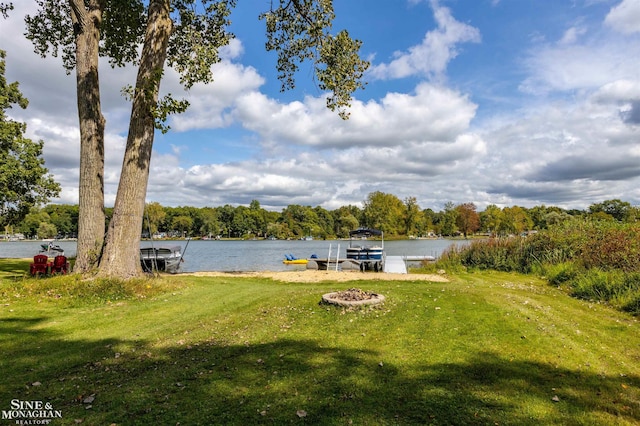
485, 348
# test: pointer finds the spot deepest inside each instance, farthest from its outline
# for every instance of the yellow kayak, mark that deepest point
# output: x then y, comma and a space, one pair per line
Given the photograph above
295, 261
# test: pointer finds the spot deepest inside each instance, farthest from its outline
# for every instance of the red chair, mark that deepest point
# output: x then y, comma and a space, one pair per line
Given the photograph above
60, 265
40, 264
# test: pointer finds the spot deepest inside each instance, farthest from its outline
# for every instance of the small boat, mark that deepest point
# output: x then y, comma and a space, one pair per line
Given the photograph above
371, 257
51, 248
162, 258
290, 259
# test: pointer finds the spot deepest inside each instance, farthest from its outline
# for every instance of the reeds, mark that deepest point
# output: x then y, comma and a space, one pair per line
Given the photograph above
594, 260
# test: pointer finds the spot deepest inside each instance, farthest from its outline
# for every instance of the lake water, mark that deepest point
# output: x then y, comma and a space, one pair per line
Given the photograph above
249, 255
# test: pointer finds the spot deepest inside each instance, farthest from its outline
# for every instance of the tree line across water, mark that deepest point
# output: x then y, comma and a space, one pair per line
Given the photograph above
397, 218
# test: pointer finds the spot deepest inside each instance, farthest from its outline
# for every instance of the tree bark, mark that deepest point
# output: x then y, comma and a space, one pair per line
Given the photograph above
91, 219
121, 256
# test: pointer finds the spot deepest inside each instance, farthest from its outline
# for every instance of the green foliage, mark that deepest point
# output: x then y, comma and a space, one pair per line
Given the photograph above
341, 71
24, 181
64, 217
47, 230
51, 31
448, 219
467, 219
413, 225
619, 289
594, 259
560, 273
616, 209
559, 243
122, 30
196, 38
298, 31
5, 8
182, 223
385, 212
449, 260
500, 254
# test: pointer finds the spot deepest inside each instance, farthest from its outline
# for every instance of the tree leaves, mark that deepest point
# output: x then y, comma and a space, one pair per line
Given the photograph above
297, 31
342, 71
196, 38
24, 181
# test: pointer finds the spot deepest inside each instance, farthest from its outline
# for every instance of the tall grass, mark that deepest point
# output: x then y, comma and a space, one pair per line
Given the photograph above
499, 254
595, 260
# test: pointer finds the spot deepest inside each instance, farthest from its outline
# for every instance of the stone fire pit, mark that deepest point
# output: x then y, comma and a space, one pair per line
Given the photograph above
352, 297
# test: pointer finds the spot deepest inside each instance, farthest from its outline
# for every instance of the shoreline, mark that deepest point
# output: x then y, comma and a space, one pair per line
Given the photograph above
309, 275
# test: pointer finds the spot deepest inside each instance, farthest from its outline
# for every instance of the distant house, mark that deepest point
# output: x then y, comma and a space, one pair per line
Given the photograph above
12, 237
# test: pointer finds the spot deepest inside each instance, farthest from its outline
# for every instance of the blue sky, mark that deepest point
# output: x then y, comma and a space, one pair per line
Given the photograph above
507, 102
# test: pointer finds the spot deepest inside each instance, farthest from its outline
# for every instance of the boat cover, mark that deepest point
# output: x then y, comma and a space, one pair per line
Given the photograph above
364, 232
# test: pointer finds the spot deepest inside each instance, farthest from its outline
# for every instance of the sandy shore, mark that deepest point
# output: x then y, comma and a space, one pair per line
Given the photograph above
309, 275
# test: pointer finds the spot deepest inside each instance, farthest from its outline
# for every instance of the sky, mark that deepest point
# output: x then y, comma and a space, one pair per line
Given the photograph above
505, 102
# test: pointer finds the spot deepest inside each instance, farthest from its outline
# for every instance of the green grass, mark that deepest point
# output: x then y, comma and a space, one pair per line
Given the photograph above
485, 348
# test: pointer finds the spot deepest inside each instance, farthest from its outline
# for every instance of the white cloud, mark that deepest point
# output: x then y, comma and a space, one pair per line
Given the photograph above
396, 145
424, 140
210, 103
565, 151
580, 66
625, 17
618, 90
572, 35
431, 57
233, 50
431, 113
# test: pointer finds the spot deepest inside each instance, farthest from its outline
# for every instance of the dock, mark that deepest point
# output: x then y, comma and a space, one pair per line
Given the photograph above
394, 265
398, 264
383, 263
333, 264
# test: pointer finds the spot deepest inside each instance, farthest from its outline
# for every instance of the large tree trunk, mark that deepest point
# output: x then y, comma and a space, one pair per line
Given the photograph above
121, 257
91, 219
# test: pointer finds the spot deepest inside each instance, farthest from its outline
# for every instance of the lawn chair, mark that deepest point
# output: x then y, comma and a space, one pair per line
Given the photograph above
40, 265
60, 265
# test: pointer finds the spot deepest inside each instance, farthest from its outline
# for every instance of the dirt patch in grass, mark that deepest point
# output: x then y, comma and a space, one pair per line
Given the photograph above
309, 275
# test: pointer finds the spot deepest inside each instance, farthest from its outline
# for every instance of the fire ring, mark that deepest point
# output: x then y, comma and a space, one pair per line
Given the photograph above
352, 297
